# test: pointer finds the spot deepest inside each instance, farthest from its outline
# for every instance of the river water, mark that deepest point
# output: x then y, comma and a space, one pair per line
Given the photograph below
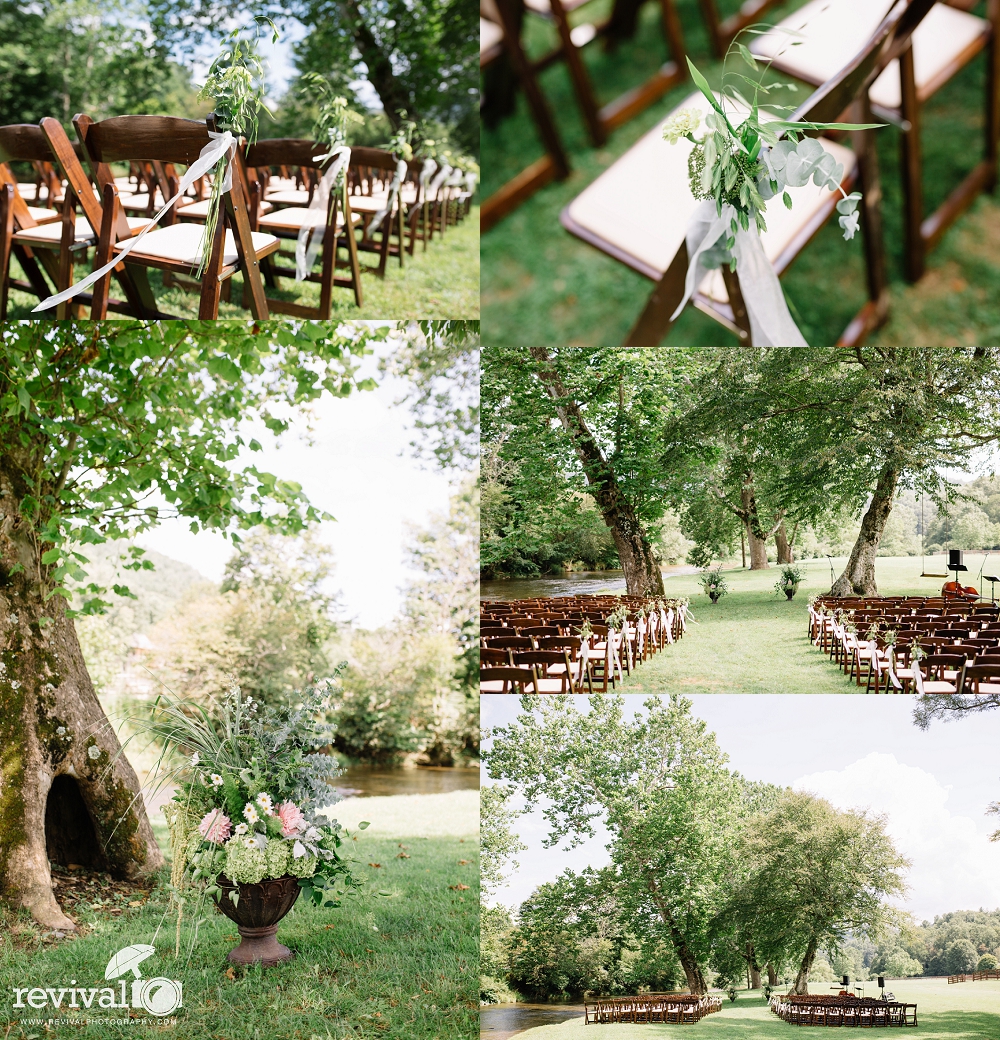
360, 781
502, 1021
578, 582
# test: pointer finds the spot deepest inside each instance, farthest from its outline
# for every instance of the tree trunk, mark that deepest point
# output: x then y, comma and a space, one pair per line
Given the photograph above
689, 962
643, 576
858, 578
751, 521
782, 544
388, 85
801, 986
772, 975
752, 966
63, 794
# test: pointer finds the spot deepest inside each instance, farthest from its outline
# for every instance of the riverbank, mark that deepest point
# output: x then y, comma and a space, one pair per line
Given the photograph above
399, 960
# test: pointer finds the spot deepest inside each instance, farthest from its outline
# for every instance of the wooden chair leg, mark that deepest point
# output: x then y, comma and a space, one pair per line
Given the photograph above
352, 254
66, 309
102, 256
329, 265
655, 322
399, 225
6, 241
211, 287
914, 259
579, 77
992, 128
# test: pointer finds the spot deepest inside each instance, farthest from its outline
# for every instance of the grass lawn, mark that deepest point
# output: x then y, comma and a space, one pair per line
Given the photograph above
441, 283
399, 960
754, 641
962, 1012
543, 286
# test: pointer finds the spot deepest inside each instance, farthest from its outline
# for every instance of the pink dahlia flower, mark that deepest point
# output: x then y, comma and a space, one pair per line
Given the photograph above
215, 826
292, 820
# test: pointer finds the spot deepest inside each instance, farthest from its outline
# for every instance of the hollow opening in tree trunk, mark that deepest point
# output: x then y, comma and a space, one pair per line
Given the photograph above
69, 831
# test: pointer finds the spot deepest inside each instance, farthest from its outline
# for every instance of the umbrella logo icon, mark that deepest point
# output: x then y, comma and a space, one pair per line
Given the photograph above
157, 996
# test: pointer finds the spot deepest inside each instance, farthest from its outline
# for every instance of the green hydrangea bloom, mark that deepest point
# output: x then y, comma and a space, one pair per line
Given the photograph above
304, 866
244, 865
276, 856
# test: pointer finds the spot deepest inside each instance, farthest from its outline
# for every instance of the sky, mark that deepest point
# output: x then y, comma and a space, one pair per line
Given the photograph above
358, 468
858, 752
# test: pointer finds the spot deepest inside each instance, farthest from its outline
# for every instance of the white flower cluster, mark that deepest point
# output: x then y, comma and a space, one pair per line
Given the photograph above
682, 123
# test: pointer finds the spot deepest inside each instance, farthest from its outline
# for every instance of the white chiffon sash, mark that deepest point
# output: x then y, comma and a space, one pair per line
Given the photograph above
391, 201
311, 233
771, 324
208, 159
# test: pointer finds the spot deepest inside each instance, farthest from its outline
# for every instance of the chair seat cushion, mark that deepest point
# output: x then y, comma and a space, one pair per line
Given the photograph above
289, 197
294, 218
281, 184
638, 209
43, 216
200, 209
368, 203
490, 36
51, 234
182, 243
833, 31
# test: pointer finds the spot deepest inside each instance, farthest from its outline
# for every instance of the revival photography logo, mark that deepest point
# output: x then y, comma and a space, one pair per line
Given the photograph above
159, 997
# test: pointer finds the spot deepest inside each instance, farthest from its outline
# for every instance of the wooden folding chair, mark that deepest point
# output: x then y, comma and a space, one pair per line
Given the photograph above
37, 235
176, 248
554, 165
503, 680
370, 166
638, 210
831, 31
601, 120
554, 670
286, 222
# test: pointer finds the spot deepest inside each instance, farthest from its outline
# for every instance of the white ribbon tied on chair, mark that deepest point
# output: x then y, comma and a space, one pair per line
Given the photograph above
771, 324
311, 233
438, 180
208, 158
426, 172
471, 180
397, 179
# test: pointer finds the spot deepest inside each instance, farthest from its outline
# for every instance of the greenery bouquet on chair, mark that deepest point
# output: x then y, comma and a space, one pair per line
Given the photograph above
735, 170
329, 132
244, 824
235, 85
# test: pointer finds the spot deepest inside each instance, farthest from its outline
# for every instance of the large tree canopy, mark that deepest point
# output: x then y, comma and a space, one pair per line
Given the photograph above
657, 782
418, 55
60, 57
107, 427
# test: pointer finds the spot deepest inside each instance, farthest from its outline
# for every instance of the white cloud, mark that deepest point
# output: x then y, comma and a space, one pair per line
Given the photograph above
955, 866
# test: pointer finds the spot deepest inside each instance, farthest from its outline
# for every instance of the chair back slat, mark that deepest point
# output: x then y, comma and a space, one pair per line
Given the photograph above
126, 138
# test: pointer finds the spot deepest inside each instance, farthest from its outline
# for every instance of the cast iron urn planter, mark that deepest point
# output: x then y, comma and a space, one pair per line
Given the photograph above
790, 591
260, 908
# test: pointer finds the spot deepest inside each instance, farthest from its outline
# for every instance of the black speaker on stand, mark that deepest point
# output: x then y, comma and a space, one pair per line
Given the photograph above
881, 986
956, 563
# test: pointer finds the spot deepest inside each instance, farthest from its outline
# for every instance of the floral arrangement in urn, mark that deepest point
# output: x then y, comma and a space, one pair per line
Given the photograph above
245, 826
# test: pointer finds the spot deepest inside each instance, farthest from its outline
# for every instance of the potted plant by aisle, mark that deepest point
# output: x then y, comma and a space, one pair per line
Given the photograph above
789, 581
244, 821
713, 584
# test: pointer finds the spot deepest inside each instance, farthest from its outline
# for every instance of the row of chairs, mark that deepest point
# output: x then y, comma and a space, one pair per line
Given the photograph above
683, 1009
959, 644
870, 64
76, 204
843, 1011
530, 645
